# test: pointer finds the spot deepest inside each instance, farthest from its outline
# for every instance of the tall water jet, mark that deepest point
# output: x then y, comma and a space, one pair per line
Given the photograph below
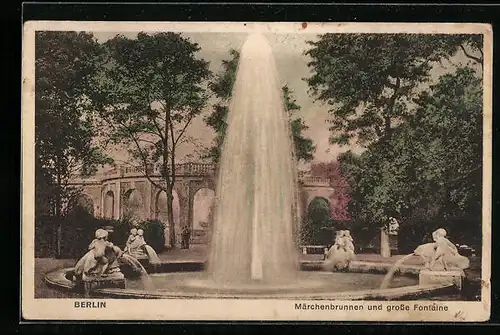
255, 211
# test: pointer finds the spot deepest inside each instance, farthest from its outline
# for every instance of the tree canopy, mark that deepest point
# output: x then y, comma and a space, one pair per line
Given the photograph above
317, 219
431, 169
422, 138
152, 88
369, 80
64, 125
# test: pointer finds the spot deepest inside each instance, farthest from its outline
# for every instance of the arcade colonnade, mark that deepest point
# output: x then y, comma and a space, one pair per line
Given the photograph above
125, 191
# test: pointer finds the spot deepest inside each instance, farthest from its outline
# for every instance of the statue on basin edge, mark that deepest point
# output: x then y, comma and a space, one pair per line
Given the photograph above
101, 260
135, 244
138, 248
442, 254
131, 238
341, 253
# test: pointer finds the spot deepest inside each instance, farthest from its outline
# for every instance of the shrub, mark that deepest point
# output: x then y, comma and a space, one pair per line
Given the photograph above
78, 228
317, 223
44, 230
366, 237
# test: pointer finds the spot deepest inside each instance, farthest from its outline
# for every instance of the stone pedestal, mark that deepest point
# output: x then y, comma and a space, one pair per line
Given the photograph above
393, 244
385, 250
114, 280
428, 277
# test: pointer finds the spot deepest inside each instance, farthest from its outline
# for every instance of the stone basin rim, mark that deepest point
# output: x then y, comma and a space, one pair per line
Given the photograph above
58, 280
372, 294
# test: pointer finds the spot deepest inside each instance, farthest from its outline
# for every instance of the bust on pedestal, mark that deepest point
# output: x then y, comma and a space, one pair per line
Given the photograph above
389, 238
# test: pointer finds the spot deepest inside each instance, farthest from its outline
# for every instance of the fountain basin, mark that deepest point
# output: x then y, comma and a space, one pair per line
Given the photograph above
312, 285
451, 277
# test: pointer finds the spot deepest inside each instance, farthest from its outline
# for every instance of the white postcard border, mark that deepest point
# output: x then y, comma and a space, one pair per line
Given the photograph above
242, 309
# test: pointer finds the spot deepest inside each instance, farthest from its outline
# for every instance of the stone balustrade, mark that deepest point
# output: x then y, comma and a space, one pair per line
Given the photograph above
182, 169
191, 169
314, 181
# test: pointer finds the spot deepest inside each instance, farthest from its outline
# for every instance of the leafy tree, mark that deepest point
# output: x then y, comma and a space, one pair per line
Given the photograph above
451, 113
373, 83
370, 79
470, 45
431, 169
152, 88
64, 127
222, 87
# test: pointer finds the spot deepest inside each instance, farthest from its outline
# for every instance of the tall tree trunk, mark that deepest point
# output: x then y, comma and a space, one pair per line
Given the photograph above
170, 198
57, 211
170, 183
170, 213
385, 248
389, 111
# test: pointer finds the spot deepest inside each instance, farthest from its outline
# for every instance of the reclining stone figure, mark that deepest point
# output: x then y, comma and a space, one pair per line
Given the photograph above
101, 259
442, 254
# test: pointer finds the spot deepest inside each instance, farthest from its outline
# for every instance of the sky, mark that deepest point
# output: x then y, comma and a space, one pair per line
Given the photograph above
292, 68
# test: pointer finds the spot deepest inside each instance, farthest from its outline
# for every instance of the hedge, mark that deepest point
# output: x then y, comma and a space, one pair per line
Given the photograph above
154, 234
78, 230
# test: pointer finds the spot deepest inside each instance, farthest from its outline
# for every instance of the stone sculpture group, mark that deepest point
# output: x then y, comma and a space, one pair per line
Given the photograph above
104, 259
137, 247
442, 254
341, 253
135, 244
101, 259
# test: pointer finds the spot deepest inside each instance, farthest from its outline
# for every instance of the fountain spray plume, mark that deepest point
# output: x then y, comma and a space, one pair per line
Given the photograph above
146, 280
388, 277
255, 214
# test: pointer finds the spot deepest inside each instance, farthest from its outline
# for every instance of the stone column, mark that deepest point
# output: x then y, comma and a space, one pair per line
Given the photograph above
148, 200
393, 243
103, 200
185, 204
117, 203
385, 250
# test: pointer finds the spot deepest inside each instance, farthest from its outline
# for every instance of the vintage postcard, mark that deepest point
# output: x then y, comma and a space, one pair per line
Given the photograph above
256, 171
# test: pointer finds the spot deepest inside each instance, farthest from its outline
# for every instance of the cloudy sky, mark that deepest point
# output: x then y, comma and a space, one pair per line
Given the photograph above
292, 68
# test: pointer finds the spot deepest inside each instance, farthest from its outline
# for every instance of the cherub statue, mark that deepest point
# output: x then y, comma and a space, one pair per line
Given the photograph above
101, 259
441, 254
131, 238
136, 246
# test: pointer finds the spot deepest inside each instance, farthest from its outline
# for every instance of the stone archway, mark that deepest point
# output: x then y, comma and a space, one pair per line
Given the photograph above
109, 205
203, 202
161, 213
134, 205
302, 202
318, 217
